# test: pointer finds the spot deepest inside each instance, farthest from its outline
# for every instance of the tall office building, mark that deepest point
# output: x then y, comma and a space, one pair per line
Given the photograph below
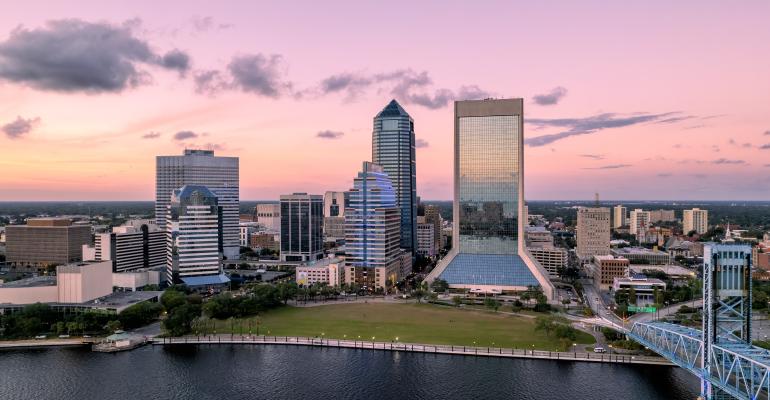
426, 239
301, 227
488, 253
201, 167
334, 215
593, 232
639, 223
194, 239
45, 242
619, 216
372, 231
695, 220
393, 149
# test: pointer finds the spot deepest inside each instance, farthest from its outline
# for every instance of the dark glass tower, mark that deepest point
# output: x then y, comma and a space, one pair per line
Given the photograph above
393, 149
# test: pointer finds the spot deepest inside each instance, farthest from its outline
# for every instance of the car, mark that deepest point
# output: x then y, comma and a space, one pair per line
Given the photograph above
599, 350
40, 337
64, 336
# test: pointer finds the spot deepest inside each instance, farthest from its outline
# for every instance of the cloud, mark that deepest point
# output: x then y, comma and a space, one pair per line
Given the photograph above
421, 144
406, 85
767, 133
727, 161
19, 127
767, 165
72, 55
593, 156
700, 176
207, 23
664, 175
765, 146
259, 74
589, 125
183, 135
151, 135
176, 60
611, 166
329, 134
209, 82
550, 98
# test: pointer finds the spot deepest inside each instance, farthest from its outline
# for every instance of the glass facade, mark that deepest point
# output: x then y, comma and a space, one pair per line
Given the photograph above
488, 183
393, 148
301, 227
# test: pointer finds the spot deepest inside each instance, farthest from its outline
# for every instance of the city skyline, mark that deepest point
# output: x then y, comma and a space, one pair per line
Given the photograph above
674, 115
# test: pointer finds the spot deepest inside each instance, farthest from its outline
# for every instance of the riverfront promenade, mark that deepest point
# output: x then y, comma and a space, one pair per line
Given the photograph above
411, 347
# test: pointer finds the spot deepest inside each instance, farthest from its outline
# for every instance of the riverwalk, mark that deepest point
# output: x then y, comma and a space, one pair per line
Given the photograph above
26, 344
411, 347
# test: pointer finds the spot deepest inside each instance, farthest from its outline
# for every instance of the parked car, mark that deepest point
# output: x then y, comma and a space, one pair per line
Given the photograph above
39, 337
64, 336
599, 350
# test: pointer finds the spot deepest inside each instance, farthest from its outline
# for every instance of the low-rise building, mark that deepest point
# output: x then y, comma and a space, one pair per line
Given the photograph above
643, 286
551, 258
265, 240
328, 271
642, 255
45, 242
538, 236
73, 284
605, 269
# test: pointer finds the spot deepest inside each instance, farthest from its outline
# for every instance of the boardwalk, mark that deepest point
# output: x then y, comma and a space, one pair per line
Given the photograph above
413, 347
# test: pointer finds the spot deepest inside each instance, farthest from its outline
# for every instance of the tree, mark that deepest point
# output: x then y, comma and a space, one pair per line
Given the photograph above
172, 299
113, 325
545, 324
492, 304
457, 300
139, 314
632, 295
287, 291
439, 285
525, 297
179, 321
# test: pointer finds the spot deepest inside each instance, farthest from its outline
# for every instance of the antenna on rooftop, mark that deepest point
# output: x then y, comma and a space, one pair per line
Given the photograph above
596, 199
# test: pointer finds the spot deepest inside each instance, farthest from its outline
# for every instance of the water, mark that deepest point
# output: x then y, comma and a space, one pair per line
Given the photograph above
231, 372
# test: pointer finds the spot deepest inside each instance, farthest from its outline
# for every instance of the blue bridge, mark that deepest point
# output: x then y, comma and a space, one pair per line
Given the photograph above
721, 354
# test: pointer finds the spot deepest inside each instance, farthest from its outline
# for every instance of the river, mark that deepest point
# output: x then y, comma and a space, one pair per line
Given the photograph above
232, 372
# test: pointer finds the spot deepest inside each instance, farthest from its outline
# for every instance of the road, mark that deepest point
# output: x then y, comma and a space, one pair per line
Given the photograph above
664, 312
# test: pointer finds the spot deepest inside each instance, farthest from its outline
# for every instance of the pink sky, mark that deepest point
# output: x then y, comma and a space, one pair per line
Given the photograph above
687, 85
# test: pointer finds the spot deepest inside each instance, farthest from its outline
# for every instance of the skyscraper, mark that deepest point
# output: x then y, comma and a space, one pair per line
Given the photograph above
372, 229
695, 220
302, 227
201, 167
619, 216
488, 253
393, 149
194, 240
433, 216
593, 232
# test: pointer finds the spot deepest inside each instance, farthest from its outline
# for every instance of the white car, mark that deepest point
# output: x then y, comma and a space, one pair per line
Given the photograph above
599, 350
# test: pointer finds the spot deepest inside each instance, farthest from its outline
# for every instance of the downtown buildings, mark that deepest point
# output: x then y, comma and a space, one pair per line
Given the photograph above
619, 216
488, 253
301, 227
138, 244
374, 258
639, 223
695, 220
593, 232
201, 167
44, 243
194, 237
393, 148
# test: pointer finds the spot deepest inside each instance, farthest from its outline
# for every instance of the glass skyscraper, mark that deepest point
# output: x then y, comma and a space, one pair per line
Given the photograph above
302, 219
488, 252
194, 239
201, 167
393, 149
372, 230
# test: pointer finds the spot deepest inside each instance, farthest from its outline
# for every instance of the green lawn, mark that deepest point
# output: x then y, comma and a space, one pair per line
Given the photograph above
410, 323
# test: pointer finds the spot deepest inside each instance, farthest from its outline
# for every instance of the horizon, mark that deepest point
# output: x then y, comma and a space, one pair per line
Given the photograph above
609, 107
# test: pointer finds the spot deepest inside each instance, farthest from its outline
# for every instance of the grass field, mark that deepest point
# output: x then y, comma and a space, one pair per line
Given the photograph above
410, 323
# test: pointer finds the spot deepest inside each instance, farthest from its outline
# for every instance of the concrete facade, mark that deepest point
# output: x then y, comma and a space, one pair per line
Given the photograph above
44, 242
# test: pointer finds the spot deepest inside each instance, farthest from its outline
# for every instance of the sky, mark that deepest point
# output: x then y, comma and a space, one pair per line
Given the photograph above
634, 100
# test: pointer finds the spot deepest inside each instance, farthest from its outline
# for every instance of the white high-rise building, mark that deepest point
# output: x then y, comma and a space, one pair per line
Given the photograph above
593, 232
334, 215
695, 220
201, 167
619, 216
136, 245
639, 222
194, 239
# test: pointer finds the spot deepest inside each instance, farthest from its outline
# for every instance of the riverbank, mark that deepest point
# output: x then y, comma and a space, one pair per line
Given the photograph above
390, 321
32, 343
412, 348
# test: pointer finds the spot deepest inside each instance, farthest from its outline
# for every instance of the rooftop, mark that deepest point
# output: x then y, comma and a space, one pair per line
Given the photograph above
637, 251
393, 109
205, 280
488, 269
31, 282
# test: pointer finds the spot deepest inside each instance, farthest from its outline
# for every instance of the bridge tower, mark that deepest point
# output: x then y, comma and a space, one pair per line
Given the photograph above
726, 303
